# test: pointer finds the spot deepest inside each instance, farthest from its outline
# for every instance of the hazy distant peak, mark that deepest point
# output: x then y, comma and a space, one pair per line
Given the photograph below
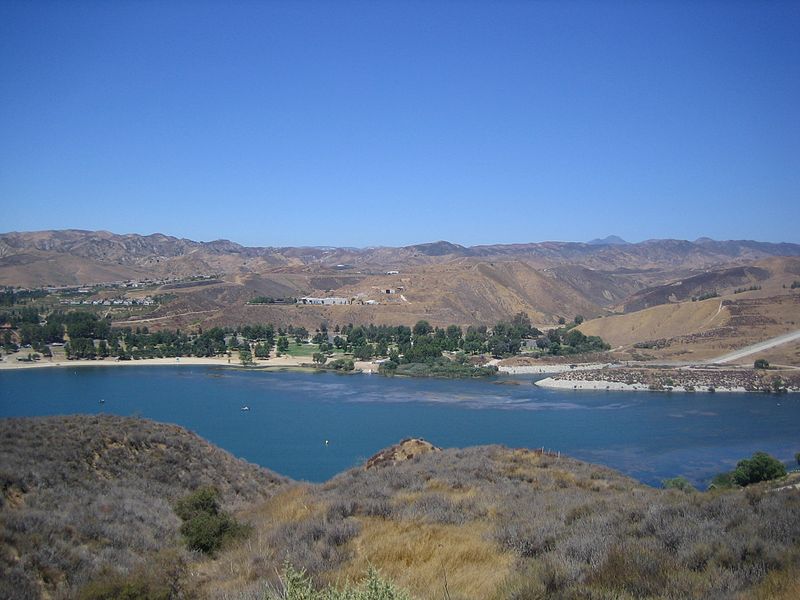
439, 248
611, 240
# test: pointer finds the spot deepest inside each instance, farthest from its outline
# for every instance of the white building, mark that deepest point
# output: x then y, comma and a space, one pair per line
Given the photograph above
331, 300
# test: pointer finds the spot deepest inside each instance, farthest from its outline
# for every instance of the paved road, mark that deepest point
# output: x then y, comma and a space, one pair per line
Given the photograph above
748, 350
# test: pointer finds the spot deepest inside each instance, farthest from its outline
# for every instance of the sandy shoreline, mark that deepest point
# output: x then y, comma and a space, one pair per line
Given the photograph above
7, 365
283, 362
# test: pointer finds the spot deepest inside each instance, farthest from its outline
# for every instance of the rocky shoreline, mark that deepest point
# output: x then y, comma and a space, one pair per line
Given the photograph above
675, 380
549, 368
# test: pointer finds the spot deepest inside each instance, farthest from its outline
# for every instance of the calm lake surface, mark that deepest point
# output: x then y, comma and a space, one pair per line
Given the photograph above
649, 436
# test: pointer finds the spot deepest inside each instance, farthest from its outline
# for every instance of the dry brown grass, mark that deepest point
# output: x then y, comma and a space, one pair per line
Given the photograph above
700, 330
255, 557
421, 556
665, 321
454, 494
778, 585
291, 505
414, 554
498, 523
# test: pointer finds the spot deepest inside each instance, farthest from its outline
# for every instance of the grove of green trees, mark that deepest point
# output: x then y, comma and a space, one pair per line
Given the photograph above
89, 336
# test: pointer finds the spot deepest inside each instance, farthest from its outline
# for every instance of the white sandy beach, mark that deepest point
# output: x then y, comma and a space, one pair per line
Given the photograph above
11, 363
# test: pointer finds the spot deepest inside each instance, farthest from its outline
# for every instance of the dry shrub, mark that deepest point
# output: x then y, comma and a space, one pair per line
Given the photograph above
639, 570
777, 585
162, 577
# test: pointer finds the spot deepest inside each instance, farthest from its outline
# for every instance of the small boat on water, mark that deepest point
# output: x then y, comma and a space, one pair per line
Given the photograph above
102, 401
245, 408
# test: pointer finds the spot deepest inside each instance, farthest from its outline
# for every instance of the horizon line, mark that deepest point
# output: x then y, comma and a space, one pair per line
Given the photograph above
598, 241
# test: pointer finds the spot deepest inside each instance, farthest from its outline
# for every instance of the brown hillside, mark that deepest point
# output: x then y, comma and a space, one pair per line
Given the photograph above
84, 494
702, 330
87, 497
441, 282
665, 321
695, 286
494, 523
463, 291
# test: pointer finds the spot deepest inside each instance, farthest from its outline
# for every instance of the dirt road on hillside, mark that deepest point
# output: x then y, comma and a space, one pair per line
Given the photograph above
753, 349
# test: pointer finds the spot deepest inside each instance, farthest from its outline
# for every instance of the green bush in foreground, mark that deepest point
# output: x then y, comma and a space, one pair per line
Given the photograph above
297, 585
760, 467
205, 526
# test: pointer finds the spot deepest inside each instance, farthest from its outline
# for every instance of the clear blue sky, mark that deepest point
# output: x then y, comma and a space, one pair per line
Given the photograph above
391, 123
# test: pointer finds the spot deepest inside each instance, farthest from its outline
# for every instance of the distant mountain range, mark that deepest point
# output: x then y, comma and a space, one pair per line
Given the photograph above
439, 281
159, 253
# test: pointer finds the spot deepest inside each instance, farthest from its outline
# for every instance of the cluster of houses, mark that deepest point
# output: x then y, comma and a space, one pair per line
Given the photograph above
146, 301
53, 289
167, 280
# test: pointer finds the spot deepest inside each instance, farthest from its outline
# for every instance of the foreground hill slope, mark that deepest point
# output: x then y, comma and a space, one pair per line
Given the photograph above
86, 496
83, 494
491, 522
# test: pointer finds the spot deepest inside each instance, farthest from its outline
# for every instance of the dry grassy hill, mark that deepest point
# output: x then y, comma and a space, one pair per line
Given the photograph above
86, 496
464, 292
766, 277
690, 331
83, 494
675, 327
664, 321
494, 523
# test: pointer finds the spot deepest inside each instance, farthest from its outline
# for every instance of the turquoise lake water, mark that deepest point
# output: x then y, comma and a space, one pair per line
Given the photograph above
649, 436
